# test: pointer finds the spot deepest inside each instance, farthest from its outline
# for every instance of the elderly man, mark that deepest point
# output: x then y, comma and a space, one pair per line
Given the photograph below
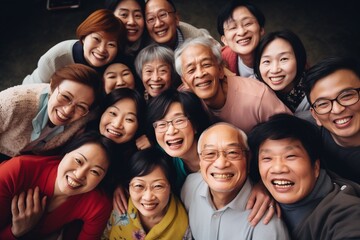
243, 102
164, 26
216, 197
333, 87
314, 203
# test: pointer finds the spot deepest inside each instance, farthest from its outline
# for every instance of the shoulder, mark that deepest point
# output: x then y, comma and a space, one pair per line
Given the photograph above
189, 30
20, 93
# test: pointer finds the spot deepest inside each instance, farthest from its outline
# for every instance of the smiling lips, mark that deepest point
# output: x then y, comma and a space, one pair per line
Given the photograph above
115, 133
61, 116
282, 183
222, 176
175, 143
72, 182
149, 206
276, 80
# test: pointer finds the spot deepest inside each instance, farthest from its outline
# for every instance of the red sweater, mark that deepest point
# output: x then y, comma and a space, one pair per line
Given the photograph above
21, 173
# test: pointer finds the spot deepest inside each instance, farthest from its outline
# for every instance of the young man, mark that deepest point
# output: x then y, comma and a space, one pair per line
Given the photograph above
332, 88
241, 26
315, 204
216, 196
243, 102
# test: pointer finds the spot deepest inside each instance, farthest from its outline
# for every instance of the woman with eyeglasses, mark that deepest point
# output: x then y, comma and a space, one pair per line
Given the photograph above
154, 211
101, 37
40, 118
45, 197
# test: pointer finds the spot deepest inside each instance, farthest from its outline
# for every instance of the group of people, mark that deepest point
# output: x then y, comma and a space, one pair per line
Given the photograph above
146, 127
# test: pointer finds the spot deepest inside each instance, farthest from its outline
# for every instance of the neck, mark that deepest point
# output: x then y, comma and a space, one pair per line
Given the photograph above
248, 60
191, 158
221, 199
149, 222
353, 141
218, 101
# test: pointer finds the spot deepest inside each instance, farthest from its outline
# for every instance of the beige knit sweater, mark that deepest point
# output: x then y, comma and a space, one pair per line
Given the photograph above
18, 107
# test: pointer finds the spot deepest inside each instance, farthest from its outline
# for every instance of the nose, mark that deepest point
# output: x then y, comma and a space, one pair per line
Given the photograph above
278, 166
102, 46
118, 122
80, 173
199, 73
274, 67
336, 107
158, 22
241, 30
171, 129
221, 162
70, 108
155, 76
131, 20
120, 82
147, 195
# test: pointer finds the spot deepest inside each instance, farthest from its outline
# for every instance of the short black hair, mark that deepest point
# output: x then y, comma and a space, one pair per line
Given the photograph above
326, 67
282, 126
227, 11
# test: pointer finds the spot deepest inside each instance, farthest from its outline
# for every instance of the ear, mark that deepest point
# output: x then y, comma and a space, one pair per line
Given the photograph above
317, 168
262, 31
221, 71
313, 114
177, 19
223, 40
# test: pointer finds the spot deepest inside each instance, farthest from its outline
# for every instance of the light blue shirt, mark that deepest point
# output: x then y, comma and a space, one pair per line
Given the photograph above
230, 222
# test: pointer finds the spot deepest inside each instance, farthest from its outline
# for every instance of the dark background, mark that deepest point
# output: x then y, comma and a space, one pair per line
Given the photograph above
28, 30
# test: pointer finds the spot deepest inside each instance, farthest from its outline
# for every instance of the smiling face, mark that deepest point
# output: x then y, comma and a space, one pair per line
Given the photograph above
100, 48
162, 31
118, 75
342, 122
156, 76
223, 176
119, 121
176, 142
81, 170
286, 170
201, 73
129, 12
153, 200
278, 65
242, 33
80, 95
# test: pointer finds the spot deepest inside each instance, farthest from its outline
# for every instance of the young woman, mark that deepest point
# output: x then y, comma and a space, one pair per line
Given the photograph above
155, 66
280, 62
154, 211
100, 39
131, 13
43, 196
42, 117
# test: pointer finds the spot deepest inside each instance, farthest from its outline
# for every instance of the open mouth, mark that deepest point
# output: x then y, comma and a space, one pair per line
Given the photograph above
112, 132
282, 183
222, 175
72, 183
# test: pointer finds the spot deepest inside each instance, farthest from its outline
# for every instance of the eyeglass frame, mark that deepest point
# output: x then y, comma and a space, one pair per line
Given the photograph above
225, 154
69, 101
147, 187
156, 16
170, 122
337, 100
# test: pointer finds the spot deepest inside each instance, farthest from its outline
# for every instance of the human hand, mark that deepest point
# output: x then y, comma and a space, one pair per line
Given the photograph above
27, 210
143, 142
120, 200
261, 204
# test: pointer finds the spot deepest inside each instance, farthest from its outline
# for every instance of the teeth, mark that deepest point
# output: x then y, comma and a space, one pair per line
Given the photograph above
282, 183
99, 56
342, 121
72, 183
276, 79
204, 84
175, 141
62, 116
114, 132
156, 86
244, 41
222, 176
149, 206
161, 33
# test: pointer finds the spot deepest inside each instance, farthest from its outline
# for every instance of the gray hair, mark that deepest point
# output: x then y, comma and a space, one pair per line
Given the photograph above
241, 134
205, 41
155, 52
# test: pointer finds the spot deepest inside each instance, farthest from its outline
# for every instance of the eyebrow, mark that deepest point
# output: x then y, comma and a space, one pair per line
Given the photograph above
227, 145
86, 160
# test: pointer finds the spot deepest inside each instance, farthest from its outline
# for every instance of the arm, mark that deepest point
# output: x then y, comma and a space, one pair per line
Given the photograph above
143, 142
261, 203
120, 200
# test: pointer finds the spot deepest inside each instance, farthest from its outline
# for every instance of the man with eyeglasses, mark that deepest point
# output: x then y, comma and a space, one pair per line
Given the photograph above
332, 88
164, 26
215, 197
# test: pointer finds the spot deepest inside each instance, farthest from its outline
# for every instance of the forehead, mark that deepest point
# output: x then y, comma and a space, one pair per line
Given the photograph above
241, 13
196, 51
221, 135
116, 67
334, 83
154, 5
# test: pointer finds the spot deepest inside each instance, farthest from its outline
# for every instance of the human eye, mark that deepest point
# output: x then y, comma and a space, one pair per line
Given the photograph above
209, 154
82, 108
265, 158
138, 15
96, 38
65, 98
347, 95
179, 121
190, 70
123, 14
233, 153
322, 104
112, 44
126, 73
95, 172
207, 64
78, 160
160, 124
291, 157
162, 14
138, 187
284, 59
130, 119
150, 19
159, 187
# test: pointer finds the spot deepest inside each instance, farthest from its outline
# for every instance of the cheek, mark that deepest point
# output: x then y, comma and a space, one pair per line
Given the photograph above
160, 139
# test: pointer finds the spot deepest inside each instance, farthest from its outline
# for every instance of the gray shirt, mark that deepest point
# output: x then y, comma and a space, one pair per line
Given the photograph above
230, 222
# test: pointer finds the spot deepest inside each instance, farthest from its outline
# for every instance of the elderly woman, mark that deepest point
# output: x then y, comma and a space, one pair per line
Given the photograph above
42, 117
315, 203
